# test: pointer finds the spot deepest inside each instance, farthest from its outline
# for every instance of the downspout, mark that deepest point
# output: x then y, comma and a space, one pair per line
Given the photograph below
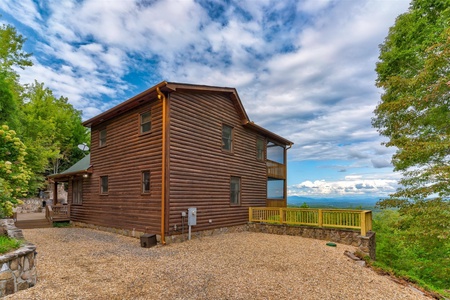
162, 97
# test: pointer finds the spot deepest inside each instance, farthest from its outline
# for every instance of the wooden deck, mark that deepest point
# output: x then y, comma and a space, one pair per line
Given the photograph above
52, 214
32, 220
334, 218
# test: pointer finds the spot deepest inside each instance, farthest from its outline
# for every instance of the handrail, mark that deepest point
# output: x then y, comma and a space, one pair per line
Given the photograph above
57, 212
335, 218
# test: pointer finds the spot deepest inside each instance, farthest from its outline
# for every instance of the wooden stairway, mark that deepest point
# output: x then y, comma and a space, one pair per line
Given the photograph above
31, 224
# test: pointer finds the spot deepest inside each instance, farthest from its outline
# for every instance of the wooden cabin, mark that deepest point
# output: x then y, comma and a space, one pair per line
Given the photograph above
173, 147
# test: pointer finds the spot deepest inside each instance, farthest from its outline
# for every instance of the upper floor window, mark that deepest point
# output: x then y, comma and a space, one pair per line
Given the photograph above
260, 149
103, 184
227, 138
275, 153
145, 181
145, 122
235, 190
102, 138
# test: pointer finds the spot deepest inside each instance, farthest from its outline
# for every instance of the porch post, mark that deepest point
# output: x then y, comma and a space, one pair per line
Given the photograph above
55, 193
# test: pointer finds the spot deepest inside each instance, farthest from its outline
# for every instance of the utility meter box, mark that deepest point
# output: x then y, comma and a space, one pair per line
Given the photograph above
192, 216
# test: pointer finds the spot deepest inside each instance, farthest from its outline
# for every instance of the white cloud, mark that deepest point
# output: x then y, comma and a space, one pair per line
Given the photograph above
304, 70
367, 185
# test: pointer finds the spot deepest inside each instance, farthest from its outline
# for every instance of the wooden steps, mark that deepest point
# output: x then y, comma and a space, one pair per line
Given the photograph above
31, 224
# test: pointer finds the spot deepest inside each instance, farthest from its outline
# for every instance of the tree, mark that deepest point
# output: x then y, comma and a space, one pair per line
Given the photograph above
52, 129
414, 114
414, 71
14, 173
11, 55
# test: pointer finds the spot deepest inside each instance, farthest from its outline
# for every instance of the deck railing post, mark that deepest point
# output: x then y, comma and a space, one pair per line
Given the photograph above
250, 214
363, 223
320, 218
281, 216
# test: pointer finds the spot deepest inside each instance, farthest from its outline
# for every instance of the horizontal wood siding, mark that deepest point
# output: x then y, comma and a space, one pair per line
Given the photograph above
126, 154
200, 171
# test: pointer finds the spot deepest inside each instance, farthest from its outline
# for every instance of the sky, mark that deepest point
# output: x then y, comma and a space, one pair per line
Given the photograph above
303, 69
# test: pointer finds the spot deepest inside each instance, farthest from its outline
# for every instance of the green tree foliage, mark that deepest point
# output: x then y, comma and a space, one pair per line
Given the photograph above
414, 114
49, 127
11, 55
403, 252
415, 108
14, 173
52, 130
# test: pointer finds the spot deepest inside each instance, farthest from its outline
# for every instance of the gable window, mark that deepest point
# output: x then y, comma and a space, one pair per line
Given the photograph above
103, 184
235, 190
227, 138
102, 138
145, 121
145, 181
77, 191
260, 149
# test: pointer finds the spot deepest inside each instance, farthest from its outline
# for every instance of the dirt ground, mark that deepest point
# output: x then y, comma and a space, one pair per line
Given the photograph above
76, 263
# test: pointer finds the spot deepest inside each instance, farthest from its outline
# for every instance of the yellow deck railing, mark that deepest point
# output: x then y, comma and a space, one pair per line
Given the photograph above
336, 218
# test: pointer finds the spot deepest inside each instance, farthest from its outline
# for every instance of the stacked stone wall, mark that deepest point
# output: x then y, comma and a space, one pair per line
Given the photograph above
366, 244
18, 268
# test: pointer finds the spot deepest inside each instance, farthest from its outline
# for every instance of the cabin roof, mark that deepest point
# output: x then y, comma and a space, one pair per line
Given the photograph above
82, 166
165, 86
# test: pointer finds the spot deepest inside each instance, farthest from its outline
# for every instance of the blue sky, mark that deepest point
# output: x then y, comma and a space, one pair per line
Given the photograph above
303, 69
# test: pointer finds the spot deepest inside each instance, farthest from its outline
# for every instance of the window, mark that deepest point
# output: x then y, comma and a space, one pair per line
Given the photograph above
146, 182
275, 188
275, 153
145, 121
235, 190
227, 138
103, 184
260, 149
102, 138
77, 191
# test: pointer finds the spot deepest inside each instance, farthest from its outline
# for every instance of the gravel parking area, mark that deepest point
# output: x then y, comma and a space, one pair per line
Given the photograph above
76, 263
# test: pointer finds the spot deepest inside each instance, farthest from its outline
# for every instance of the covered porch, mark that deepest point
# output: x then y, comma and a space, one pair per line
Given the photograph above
74, 176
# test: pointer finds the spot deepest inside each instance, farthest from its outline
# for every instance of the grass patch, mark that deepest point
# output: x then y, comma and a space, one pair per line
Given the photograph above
8, 244
61, 224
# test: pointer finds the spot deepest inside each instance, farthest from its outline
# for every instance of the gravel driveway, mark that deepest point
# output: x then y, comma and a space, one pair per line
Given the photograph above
76, 263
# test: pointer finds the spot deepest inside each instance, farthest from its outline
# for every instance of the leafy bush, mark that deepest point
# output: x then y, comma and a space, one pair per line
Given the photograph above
409, 251
7, 244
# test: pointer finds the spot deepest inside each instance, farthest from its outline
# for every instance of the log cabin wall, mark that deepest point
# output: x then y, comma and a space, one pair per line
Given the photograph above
127, 153
200, 170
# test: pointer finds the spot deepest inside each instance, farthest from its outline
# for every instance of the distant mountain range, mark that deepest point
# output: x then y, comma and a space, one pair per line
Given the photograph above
335, 202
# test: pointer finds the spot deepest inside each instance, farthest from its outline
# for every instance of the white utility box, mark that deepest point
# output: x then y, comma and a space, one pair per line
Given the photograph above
192, 216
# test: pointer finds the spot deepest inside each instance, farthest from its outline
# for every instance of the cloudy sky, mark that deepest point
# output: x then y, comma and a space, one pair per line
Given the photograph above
303, 69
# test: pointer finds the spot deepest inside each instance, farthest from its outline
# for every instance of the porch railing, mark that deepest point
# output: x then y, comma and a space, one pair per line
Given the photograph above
275, 170
58, 212
335, 218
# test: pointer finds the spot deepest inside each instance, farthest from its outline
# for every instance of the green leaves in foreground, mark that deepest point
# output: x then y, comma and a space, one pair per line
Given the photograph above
405, 247
8, 244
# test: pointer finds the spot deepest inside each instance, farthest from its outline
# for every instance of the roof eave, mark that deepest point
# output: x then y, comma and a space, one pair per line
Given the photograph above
269, 134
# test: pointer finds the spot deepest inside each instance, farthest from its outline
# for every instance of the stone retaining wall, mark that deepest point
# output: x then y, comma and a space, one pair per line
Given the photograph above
366, 244
18, 268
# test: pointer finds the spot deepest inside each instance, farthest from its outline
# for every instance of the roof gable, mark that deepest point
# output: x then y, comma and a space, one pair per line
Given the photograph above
168, 87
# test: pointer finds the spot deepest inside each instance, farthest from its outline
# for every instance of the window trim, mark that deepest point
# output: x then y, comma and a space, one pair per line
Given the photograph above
232, 141
100, 143
239, 194
143, 191
263, 141
142, 124
102, 192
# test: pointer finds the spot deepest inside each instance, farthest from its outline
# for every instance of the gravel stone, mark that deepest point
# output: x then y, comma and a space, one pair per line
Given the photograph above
78, 263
